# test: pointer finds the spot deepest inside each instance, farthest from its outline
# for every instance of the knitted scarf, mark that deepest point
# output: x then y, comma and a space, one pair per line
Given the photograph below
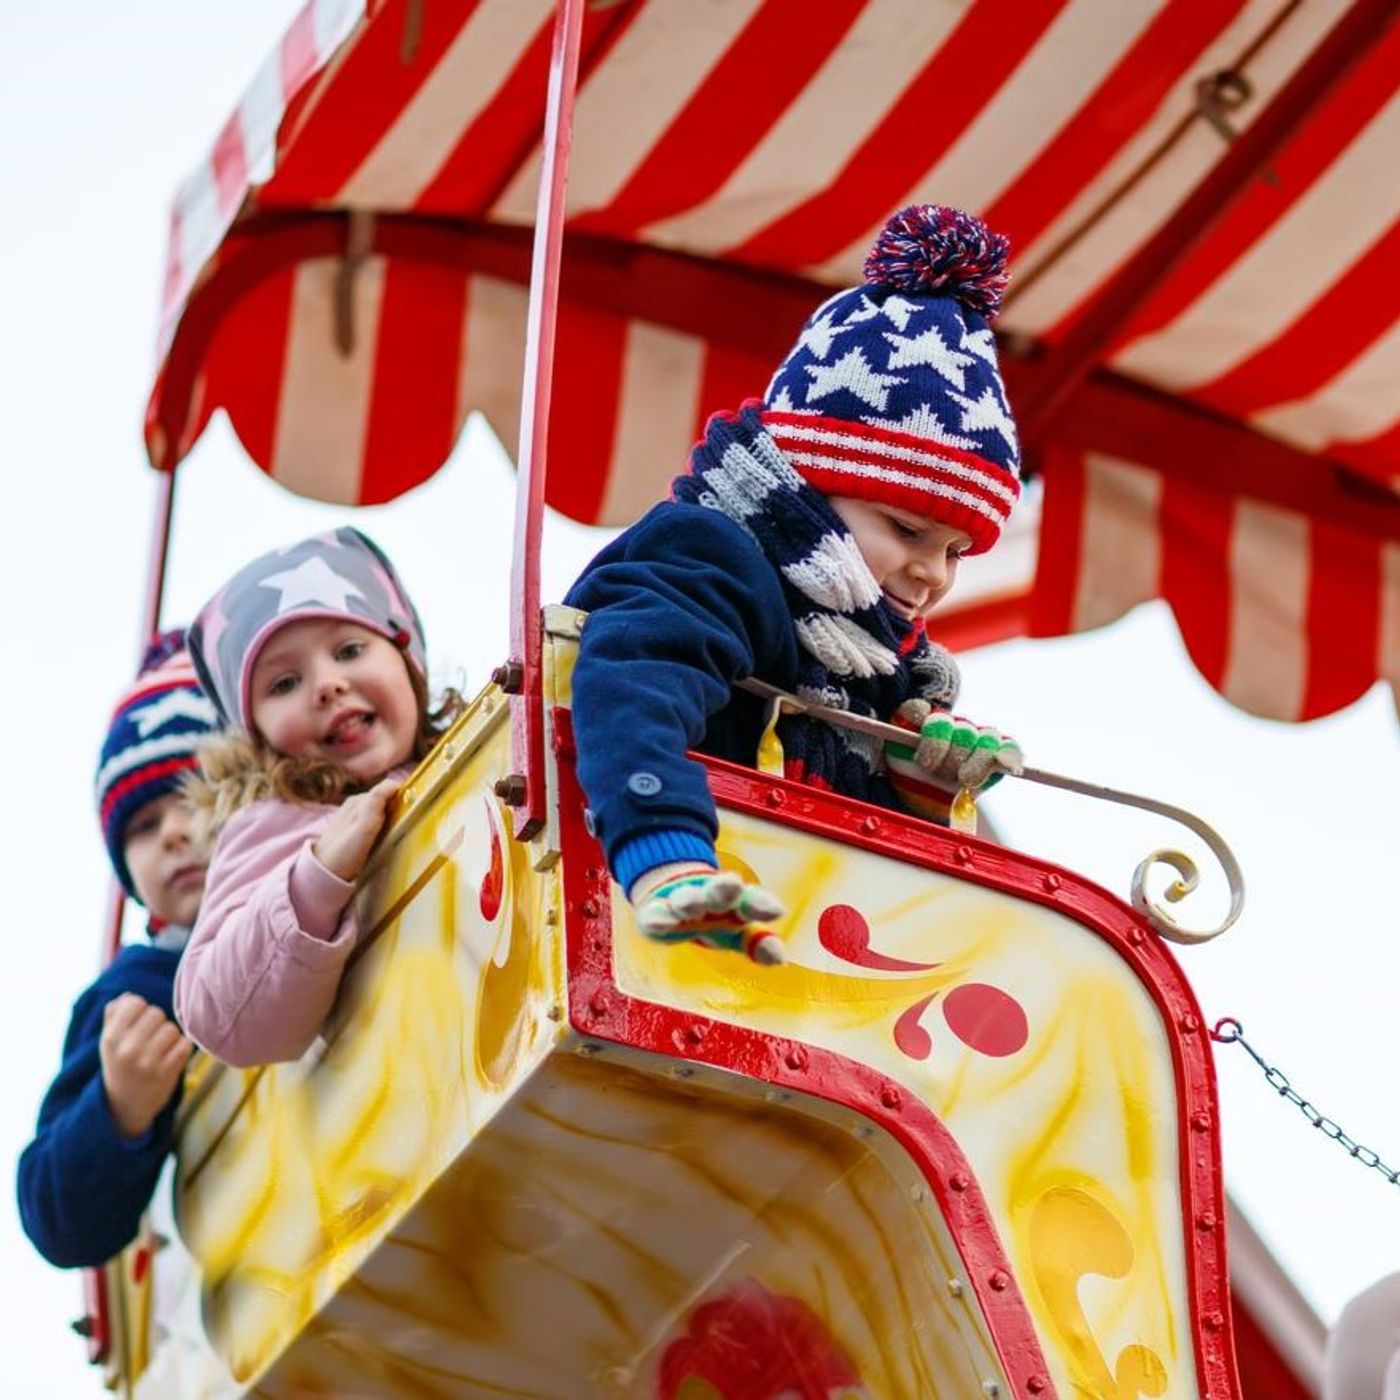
856, 653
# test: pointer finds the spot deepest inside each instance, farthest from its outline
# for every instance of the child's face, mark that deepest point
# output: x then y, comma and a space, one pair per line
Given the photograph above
914, 559
325, 688
167, 874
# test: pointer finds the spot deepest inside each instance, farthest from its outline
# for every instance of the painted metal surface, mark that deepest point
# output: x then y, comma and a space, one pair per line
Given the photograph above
964, 1139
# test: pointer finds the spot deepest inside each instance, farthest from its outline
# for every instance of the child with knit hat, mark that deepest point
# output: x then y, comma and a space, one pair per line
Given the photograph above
806, 545
107, 1120
314, 658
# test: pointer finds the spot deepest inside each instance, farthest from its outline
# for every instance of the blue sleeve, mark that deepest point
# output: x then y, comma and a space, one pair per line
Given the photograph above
680, 607
82, 1186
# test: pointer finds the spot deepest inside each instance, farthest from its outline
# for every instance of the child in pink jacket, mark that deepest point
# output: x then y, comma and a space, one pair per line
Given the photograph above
314, 658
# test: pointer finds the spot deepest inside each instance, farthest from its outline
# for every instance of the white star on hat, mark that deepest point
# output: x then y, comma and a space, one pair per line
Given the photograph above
899, 310
312, 582
932, 350
923, 422
174, 704
818, 336
854, 373
987, 413
982, 344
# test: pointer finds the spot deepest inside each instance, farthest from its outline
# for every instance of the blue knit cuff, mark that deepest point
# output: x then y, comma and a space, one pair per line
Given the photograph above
634, 858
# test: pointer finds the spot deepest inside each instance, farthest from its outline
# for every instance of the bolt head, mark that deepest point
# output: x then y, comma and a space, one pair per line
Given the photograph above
1037, 1384
999, 1281
890, 1096
1200, 1122
959, 1181
796, 1058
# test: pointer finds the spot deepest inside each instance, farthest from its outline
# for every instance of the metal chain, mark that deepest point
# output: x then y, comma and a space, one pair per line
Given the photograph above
1228, 1031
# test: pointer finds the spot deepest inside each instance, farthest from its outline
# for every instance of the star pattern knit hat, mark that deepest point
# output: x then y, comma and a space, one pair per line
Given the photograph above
151, 742
892, 392
342, 574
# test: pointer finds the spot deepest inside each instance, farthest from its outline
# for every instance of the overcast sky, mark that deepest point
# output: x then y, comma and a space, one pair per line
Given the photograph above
102, 109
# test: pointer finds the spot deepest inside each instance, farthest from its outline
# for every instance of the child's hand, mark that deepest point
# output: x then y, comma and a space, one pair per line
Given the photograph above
696, 904
344, 846
142, 1053
956, 752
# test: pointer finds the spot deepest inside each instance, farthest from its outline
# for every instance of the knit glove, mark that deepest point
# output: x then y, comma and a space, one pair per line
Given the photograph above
714, 908
957, 752
950, 755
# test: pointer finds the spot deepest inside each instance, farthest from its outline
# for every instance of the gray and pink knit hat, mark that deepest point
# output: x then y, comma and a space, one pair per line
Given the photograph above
342, 574
893, 392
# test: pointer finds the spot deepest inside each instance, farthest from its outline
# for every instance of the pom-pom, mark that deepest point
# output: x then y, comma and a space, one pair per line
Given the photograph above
161, 648
932, 248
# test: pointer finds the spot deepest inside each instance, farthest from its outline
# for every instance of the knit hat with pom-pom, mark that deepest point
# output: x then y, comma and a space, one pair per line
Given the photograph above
892, 392
152, 742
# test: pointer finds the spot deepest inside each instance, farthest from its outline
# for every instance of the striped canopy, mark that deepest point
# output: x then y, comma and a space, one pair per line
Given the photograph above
1202, 338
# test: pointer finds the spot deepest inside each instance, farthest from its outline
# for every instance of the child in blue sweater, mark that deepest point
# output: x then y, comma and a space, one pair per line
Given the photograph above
808, 542
107, 1120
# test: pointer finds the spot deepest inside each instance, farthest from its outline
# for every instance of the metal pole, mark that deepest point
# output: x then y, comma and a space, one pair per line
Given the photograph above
526, 792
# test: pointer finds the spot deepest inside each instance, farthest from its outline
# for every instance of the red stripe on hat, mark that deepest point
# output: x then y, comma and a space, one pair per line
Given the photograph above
862, 444
1343, 618
1122, 104
418, 347
139, 777
1196, 526
1058, 563
743, 96
932, 112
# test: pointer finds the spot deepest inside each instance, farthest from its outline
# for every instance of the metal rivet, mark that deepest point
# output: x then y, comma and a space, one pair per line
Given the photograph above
551, 915
1189, 1023
918, 1193
959, 1181
510, 677
1200, 1122
598, 1005
870, 825
1214, 1321
695, 1033
1206, 1220
999, 1281
683, 1071
590, 908
775, 797
555, 1012
1135, 935
890, 1096
1051, 882
991, 1390
963, 855
510, 789
955, 1288
589, 1048
1037, 1383
796, 1058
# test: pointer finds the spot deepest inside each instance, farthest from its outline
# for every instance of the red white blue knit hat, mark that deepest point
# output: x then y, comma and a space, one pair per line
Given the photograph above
341, 574
892, 392
151, 742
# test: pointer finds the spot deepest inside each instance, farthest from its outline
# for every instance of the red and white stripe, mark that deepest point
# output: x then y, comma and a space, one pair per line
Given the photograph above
725, 132
1287, 616
846, 459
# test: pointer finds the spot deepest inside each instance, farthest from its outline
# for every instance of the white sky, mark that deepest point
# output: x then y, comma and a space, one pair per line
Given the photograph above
102, 109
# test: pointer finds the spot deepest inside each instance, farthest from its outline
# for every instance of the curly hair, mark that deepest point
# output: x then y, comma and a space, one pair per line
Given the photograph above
238, 768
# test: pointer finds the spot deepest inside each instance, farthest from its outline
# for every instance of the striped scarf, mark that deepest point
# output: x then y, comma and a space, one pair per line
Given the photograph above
855, 652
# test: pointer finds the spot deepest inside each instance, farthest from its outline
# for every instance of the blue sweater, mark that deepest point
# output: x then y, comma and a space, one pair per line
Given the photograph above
681, 605
82, 1185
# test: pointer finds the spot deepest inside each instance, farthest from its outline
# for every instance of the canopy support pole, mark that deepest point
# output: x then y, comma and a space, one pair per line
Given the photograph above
526, 794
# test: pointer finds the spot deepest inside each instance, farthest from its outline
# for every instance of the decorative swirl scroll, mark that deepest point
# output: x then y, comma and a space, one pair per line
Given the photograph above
1156, 914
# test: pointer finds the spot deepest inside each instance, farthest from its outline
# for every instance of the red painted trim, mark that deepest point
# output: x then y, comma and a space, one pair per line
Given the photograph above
526, 634
599, 1009
1090, 336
